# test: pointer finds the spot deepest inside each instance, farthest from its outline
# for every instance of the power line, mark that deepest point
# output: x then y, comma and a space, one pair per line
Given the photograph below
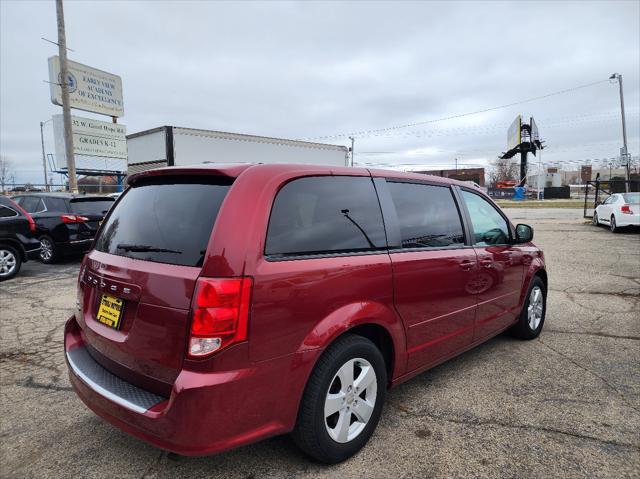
452, 117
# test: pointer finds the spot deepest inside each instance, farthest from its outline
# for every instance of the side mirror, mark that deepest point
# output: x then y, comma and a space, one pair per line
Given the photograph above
524, 233
599, 202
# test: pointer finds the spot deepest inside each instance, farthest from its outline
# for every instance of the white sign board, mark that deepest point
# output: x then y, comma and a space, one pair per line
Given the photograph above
91, 137
89, 89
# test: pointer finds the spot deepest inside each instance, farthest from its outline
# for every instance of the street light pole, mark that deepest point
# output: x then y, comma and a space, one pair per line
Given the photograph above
617, 76
66, 109
44, 157
352, 148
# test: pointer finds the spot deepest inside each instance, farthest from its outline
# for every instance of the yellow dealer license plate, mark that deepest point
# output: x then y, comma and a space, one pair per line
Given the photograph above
110, 311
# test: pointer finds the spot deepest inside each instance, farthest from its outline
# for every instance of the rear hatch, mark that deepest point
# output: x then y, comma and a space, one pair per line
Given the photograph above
137, 282
94, 208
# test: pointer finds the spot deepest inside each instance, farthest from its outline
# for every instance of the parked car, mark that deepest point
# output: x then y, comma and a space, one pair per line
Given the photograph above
18, 242
221, 305
618, 211
65, 223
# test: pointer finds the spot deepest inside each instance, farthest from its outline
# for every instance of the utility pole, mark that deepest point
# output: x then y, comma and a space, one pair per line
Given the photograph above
44, 157
626, 156
66, 109
352, 148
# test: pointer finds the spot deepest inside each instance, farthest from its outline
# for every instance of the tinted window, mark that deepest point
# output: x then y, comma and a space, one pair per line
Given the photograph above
427, 215
6, 212
32, 204
56, 204
489, 227
90, 206
325, 214
165, 223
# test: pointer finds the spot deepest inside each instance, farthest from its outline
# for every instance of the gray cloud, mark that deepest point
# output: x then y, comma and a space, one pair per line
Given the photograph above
311, 69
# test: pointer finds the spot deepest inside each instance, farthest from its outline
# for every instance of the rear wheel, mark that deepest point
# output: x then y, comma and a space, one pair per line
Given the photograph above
533, 312
10, 262
343, 400
48, 252
612, 225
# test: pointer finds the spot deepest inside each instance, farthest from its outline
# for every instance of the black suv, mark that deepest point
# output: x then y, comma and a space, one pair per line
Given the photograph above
65, 223
18, 240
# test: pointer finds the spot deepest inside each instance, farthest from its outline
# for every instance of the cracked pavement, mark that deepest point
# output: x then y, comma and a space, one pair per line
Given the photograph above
564, 405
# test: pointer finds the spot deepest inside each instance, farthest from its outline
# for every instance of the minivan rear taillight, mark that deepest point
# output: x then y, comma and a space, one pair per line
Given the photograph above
220, 314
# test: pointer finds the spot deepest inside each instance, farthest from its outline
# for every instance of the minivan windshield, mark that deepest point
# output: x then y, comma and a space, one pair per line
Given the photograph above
91, 206
167, 220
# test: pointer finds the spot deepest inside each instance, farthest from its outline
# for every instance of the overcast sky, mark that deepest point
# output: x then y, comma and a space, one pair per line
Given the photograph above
314, 69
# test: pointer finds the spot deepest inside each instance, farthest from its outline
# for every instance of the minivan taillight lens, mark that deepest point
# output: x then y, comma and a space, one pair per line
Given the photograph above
73, 219
220, 314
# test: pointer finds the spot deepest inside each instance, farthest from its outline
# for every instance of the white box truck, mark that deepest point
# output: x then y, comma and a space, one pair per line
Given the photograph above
174, 146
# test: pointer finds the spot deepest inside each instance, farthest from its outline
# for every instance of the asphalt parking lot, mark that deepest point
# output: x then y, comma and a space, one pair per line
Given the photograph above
564, 405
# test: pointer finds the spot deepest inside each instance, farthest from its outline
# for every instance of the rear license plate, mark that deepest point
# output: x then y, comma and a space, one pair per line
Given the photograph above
110, 311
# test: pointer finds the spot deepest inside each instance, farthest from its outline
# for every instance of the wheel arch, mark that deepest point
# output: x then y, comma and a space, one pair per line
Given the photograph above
15, 244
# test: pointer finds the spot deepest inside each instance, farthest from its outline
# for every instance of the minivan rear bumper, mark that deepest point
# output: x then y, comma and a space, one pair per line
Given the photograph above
207, 412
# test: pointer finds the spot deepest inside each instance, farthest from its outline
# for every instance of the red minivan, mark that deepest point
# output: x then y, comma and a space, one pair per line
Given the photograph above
223, 304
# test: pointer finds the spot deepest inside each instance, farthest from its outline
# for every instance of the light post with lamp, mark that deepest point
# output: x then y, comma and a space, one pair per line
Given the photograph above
44, 156
625, 150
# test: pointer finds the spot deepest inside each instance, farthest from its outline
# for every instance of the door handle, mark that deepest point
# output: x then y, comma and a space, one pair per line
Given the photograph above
466, 265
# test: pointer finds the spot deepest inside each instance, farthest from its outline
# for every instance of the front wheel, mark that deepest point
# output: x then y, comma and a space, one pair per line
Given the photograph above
343, 400
48, 253
596, 222
533, 312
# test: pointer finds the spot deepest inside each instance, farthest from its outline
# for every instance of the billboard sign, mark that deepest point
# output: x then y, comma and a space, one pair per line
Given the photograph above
535, 134
514, 132
89, 89
91, 138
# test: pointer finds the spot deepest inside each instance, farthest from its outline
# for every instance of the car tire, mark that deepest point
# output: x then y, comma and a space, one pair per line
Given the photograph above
350, 377
48, 253
10, 262
613, 226
533, 312
596, 221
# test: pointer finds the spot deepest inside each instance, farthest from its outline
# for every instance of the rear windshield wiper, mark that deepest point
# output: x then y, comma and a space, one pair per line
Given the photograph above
144, 248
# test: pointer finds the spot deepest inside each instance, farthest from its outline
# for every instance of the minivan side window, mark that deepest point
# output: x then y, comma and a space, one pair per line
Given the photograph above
325, 214
427, 215
489, 227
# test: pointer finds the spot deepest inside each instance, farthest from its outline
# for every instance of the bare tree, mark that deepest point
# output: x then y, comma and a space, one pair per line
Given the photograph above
6, 171
502, 169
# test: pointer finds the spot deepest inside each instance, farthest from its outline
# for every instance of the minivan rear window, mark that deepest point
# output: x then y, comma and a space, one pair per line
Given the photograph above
325, 214
165, 220
91, 206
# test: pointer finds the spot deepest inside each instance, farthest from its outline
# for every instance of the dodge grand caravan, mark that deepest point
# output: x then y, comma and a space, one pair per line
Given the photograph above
220, 305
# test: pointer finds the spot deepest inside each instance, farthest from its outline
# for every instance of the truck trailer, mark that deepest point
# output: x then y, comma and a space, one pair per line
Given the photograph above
175, 146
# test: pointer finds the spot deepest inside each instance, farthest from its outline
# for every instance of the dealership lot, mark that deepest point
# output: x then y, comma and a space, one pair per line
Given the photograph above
566, 404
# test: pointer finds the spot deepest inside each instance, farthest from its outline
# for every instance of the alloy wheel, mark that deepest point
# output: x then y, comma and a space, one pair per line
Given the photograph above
46, 249
535, 308
350, 400
7, 262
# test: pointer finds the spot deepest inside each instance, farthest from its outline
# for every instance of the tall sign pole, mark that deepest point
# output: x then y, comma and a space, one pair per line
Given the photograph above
66, 109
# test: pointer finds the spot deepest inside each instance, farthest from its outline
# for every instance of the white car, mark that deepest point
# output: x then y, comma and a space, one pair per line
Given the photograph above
618, 211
